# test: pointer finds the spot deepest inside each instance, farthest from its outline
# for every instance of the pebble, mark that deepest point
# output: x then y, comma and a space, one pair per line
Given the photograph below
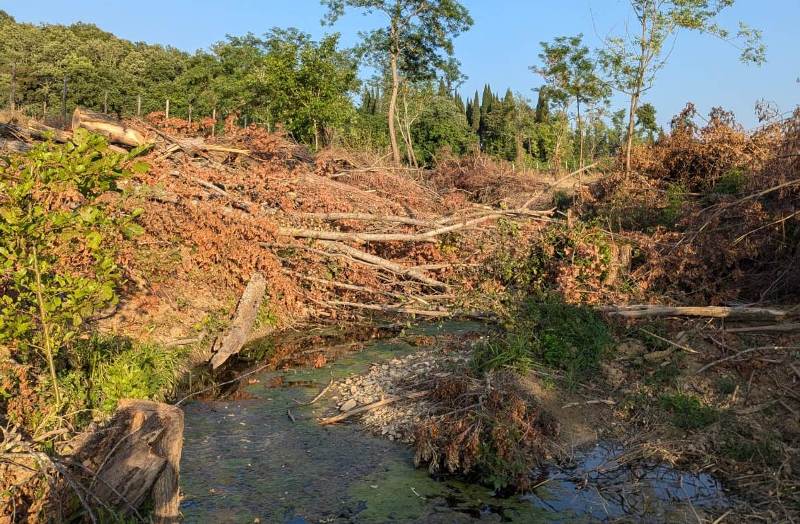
347, 406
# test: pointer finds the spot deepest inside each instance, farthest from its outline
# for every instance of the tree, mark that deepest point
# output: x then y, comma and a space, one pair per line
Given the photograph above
646, 121
570, 73
632, 62
416, 42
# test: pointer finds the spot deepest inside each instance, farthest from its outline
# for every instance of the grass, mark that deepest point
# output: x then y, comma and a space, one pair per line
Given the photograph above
548, 332
688, 412
109, 368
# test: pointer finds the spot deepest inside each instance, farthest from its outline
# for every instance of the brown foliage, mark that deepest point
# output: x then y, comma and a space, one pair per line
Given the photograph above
702, 210
486, 428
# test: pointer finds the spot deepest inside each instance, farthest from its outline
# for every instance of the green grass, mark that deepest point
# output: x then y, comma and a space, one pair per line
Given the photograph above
688, 412
548, 332
109, 368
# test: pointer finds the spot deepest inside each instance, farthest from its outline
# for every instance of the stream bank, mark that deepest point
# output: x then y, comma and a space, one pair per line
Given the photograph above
265, 458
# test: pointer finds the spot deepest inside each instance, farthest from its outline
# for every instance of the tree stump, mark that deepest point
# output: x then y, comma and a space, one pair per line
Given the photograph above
136, 456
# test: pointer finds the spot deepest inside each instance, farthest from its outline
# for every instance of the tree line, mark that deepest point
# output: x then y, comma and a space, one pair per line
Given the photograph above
412, 105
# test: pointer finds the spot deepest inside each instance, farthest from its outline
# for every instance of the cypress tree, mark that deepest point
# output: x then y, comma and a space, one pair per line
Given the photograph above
460, 103
488, 100
442, 88
476, 113
509, 99
542, 107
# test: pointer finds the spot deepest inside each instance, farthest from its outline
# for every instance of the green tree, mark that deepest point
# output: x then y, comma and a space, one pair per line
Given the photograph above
632, 62
417, 40
570, 74
646, 124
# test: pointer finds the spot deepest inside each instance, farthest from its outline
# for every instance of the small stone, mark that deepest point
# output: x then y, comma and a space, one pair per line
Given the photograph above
347, 406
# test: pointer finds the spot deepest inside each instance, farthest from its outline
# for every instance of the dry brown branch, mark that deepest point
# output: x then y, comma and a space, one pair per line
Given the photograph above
428, 236
730, 313
555, 184
744, 352
369, 407
366, 217
342, 285
396, 308
779, 328
388, 265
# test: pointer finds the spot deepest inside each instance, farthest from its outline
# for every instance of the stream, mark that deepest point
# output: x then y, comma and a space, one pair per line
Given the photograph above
248, 461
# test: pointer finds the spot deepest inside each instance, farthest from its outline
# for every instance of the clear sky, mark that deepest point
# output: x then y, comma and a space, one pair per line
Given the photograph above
499, 48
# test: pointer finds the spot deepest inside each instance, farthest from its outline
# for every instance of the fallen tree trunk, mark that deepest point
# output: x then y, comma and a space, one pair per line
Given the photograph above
730, 313
236, 337
388, 265
393, 309
107, 126
15, 146
776, 328
368, 217
27, 132
136, 456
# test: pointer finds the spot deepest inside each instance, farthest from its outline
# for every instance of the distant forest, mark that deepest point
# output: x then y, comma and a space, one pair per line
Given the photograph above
310, 88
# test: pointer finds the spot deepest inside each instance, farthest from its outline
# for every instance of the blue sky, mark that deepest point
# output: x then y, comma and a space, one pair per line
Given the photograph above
499, 48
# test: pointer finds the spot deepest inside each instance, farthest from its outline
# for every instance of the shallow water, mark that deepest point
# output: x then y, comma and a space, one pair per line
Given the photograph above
247, 461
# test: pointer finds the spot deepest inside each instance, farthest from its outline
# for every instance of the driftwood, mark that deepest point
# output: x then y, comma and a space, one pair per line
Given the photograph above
236, 337
102, 124
730, 313
369, 407
136, 456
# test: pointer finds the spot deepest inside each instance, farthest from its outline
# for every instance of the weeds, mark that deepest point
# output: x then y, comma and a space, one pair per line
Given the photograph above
548, 332
688, 412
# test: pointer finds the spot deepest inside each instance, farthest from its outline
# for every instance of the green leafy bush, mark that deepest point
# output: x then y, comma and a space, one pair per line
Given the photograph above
57, 248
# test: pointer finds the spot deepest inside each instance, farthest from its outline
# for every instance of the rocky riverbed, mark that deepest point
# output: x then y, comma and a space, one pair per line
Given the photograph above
396, 378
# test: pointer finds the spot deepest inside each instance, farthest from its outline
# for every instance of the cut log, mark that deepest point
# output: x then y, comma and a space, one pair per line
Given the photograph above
136, 457
31, 130
730, 313
115, 131
15, 146
246, 312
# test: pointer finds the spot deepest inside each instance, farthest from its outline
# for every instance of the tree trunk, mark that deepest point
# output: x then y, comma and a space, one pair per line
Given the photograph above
580, 133
393, 110
114, 130
136, 456
629, 138
12, 95
243, 322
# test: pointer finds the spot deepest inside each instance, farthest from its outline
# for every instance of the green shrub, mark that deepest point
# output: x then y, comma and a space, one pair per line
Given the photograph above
57, 248
550, 332
730, 183
688, 412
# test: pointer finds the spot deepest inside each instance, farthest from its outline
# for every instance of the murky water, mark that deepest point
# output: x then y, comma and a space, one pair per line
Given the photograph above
248, 461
